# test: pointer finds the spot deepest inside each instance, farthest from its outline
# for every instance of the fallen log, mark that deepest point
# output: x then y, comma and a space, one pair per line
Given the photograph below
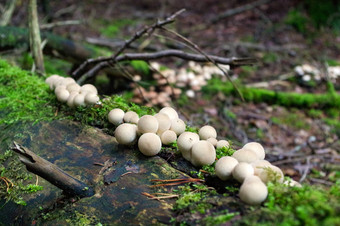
52, 173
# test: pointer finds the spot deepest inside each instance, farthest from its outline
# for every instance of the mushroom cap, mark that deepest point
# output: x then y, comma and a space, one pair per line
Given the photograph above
164, 122
252, 178
178, 126
213, 141
116, 116
58, 88
131, 117
70, 99
168, 137
91, 98
63, 95
55, 81
65, 81
224, 167
88, 88
206, 132
242, 170
147, 124
172, 113
51, 78
271, 173
203, 153
222, 143
245, 155
257, 148
253, 192
149, 144
126, 133
79, 100
185, 142
259, 164
73, 87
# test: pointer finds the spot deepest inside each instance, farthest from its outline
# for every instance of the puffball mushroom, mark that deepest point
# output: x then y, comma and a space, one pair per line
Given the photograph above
213, 141
88, 88
292, 183
168, 137
178, 126
222, 143
63, 95
65, 81
91, 98
271, 173
126, 133
79, 100
258, 165
59, 88
206, 132
185, 142
131, 117
164, 122
70, 100
172, 113
73, 87
245, 155
147, 124
242, 170
224, 167
149, 144
203, 153
116, 116
253, 191
257, 148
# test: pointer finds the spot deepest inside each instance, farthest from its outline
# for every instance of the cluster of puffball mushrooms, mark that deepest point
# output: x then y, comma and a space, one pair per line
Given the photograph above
246, 165
69, 92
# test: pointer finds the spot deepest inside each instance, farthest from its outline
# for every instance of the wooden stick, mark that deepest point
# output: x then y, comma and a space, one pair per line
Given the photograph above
52, 173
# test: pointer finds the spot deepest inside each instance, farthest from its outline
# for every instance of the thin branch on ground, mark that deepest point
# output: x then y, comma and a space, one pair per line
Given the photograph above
60, 23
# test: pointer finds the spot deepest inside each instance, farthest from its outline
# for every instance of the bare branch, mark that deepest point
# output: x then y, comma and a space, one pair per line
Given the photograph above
60, 23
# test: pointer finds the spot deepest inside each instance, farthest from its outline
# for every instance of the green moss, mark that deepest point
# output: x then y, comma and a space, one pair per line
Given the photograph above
112, 28
219, 218
292, 120
140, 66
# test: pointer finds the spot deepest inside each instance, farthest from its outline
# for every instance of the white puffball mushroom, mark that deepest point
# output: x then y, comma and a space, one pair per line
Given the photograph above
164, 122
178, 126
73, 87
245, 155
203, 153
292, 183
91, 98
172, 113
253, 192
271, 173
70, 99
258, 165
131, 117
185, 142
116, 116
257, 148
51, 78
79, 100
55, 82
63, 95
147, 124
224, 167
222, 143
88, 88
213, 141
65, 81
149, 144
168, 137
126, 133
242, 170
206, 132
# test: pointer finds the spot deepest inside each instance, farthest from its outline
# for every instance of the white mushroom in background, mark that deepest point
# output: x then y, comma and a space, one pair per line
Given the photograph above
222, 143
172, 113
207, 132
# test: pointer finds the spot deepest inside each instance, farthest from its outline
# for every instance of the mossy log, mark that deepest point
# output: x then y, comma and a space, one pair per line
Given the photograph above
288, 99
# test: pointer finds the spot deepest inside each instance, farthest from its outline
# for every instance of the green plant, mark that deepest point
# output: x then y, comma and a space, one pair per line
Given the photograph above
297, 19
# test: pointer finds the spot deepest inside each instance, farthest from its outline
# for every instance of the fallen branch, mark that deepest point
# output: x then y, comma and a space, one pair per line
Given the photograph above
60, 23
51, 173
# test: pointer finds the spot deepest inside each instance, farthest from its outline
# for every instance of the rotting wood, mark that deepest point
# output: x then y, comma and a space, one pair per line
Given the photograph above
52, 173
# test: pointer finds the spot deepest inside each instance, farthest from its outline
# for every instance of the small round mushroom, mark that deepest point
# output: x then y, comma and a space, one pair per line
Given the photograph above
63, 95
70, 100
253, 191
172, 113
178, 126
65, 81
58, 88
242, 170
116, 116
51, 78
203, 153
206, 132
164, 122
55, 82
126, 133
222, 143
245, 155
257, 148
292, 183
131, 117
168, 137
91, 98
213, 141
271, 173
79, 100
73, 87
147, 124
258, 165
224, 167
149, 144
185, 142
88, 88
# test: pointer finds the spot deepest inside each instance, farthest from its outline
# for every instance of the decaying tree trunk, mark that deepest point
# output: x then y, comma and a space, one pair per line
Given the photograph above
52, 173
